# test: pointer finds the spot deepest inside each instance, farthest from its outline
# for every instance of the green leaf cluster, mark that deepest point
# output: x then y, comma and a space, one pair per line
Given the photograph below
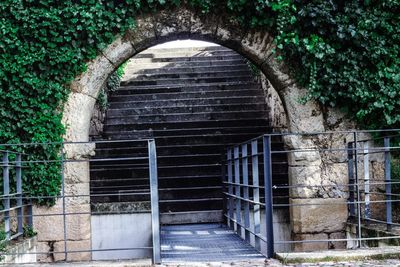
347, 54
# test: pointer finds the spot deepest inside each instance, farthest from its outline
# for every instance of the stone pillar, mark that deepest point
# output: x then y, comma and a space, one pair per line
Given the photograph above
52, 226
318, 200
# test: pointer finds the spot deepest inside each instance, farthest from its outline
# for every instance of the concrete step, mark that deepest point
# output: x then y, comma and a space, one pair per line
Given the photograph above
183, 109
199, 58
188, 124
187, 74
171, 132
164, 182
206, 138
182, 205
185, 52
227, 86
189, 102
200, 116
132, 70
205, 63
187, 81
190, 217
192, 95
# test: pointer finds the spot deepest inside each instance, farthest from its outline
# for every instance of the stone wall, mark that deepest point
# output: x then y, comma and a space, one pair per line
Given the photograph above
97, 121
277, 114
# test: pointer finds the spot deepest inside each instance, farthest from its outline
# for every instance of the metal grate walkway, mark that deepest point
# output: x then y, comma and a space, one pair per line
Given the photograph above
205, 243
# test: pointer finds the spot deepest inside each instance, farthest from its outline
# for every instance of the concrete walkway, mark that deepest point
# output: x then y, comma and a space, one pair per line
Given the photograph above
204, 243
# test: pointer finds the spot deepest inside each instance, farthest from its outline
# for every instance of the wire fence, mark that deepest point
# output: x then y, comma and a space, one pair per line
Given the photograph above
342, 190
58, 225
282, 192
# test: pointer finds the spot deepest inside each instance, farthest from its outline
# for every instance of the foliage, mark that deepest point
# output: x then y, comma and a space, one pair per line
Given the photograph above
3, 243
345, 52
255, 71
29, 231
112, 84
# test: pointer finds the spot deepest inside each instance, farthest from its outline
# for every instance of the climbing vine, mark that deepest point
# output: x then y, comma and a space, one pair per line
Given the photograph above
345, 52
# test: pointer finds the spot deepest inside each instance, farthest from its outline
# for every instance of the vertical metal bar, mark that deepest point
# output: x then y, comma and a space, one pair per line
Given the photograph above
350, 168
230, 188
237, 191
359, 234
18, 172
366, 182
388, 184
268, 195
6, 194
63, 202
155, 215
246, 204
256, 193
224, 165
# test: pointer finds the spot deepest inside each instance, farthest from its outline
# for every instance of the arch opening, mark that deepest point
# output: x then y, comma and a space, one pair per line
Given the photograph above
195, 99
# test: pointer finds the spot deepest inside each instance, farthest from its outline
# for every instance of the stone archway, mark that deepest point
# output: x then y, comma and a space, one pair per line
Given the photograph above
153, 29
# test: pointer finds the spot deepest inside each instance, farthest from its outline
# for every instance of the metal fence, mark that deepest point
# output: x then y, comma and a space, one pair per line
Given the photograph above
367, 188
65, 223
348, 172
347, 181
14, 202
237, 191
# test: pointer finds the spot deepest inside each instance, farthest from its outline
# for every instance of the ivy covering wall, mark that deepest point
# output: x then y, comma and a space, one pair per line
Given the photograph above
345, 52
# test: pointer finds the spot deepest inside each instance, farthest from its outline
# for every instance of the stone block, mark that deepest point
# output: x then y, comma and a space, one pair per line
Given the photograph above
166, 25
77, 194
119, 51
305, 178
204, 25
258, 45
79, 151
311, 246
77, 251
43, 248
77, 123
333, 147
335, 177
143, 36
301, 157
76, 172
318, 215
90, 81
51, 226
337, 244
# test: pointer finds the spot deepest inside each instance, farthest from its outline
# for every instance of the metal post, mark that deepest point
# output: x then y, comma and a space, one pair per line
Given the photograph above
155, 215
224, 190
388, 184
63, 202
237, 191
246, 204
350, 169
20, 215
358, 189
268, 195
256, 193
366, 182
230, 188
6, 194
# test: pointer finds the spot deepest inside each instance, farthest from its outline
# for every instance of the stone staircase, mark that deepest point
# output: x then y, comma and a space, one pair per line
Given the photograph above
193, 102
